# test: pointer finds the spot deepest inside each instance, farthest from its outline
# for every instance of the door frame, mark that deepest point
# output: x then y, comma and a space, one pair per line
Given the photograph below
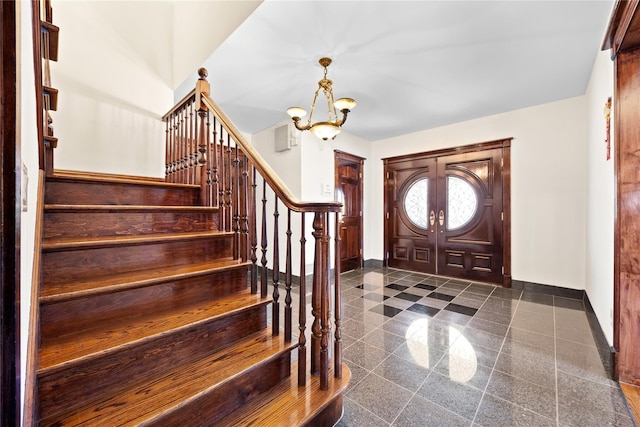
622, 38
10, 224
342, 155
505, 145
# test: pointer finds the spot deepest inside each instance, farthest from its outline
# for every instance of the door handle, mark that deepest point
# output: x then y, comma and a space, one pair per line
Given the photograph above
432, 218
441, 218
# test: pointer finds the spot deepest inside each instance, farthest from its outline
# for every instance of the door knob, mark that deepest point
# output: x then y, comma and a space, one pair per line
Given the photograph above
441, 218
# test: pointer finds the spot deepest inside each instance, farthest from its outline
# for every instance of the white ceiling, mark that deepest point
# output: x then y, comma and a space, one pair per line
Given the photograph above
410, 65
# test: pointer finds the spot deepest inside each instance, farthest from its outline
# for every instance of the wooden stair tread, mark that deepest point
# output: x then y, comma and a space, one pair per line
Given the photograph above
128, 208
128, 240
287, 404
177, 386
89, 177
632, 394
133, 279
125, 332
54, 32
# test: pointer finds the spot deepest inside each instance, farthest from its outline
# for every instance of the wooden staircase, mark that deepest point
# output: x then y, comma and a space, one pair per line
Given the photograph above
146, 317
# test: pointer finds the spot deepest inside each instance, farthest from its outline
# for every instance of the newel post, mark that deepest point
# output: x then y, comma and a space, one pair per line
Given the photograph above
202, 90
320, 302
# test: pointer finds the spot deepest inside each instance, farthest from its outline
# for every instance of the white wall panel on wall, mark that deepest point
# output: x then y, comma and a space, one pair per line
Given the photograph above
548, 193
600, 196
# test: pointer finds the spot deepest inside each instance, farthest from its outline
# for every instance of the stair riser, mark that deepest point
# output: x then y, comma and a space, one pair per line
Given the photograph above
329, 416
113, 193
90, 263
229, 396
100, 224
71, 316
84, 382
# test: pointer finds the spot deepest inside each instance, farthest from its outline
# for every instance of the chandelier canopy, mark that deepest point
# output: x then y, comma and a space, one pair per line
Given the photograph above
331, 127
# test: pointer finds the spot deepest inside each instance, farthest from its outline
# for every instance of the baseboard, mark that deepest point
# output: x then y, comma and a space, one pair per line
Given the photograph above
607, 352
373, 263
548, 289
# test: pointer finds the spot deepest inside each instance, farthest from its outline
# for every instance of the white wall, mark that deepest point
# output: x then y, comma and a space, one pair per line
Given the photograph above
111, 98
600, 196
29, 152
548, 176
287, 164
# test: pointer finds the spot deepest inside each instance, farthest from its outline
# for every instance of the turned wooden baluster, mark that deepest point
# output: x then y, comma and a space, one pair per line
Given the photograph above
167, 144
182, 127
214, 165
194, 148
302, 311
202, 90
287, 283
169, 153
174, 145
316, 294
177, 150
254, 235
236, 204
337, 349
325, 326
244, 217
263, 272
275, 315
228, 190
221, 183
187, 144
211, 150
191, 162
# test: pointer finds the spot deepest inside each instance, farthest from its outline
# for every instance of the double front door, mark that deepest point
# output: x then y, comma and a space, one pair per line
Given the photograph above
445, 213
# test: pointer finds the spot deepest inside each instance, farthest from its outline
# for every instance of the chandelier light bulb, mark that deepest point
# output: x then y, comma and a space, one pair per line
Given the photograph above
296, 112
345, 104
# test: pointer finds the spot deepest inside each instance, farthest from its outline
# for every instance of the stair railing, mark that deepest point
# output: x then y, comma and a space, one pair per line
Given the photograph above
204, 148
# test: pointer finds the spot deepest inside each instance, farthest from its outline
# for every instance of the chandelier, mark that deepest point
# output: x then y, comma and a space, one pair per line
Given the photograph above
330, 128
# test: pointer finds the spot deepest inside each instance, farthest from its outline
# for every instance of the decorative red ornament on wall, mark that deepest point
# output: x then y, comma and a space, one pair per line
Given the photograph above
607, 117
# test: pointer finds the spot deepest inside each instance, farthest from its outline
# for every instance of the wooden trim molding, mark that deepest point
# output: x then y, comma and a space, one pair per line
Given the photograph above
623, 37
506, 209
620, 35
36, 24
31, 392
10, 221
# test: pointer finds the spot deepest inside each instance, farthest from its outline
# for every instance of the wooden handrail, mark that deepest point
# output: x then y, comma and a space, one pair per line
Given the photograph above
187, 97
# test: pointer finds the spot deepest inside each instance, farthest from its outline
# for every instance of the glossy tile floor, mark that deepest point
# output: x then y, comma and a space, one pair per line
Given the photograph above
429, 351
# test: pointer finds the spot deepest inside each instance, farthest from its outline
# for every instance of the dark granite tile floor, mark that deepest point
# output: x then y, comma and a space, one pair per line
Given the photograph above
432, 351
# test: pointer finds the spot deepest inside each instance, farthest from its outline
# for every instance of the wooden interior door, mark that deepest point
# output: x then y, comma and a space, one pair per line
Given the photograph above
469, 215
447, 212
348, 189
411, 222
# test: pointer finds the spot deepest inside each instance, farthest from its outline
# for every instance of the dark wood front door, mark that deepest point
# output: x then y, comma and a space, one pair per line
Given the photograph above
470, 215
412, 224
348, 188
445, 213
